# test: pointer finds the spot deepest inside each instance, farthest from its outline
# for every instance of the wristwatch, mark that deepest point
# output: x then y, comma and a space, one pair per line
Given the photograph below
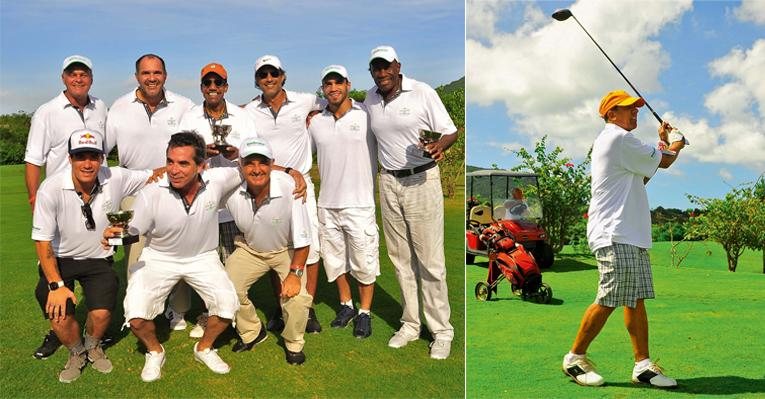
297, 272
287, 170
55, 285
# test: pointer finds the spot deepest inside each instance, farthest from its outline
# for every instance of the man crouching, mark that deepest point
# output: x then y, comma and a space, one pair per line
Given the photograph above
277, 236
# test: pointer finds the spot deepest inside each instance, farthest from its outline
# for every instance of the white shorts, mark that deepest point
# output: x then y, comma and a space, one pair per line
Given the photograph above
350, 243
155, 274
310, 203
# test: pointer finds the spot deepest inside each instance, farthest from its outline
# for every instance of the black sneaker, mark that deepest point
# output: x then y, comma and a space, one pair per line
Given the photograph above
240, 346
275, 322
344, 316
48, 347
362, 325
296, 358
312, 326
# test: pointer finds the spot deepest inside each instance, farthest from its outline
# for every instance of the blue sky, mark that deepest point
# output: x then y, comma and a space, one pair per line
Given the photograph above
307, 35
701, 66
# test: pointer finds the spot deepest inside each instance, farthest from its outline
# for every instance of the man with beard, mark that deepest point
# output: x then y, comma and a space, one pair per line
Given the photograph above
348, 233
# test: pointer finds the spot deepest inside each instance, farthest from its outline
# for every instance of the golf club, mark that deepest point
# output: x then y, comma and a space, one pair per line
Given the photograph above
564, 14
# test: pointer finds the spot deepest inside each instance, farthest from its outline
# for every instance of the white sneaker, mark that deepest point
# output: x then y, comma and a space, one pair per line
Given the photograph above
581, 370
401, 339
199, 329
152, 369
177, 322
653, 375
211, 359
440, 349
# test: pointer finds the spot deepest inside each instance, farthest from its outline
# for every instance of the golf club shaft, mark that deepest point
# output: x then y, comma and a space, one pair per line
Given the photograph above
618, 70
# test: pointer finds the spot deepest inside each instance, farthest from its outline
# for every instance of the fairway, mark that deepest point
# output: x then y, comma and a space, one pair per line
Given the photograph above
338, 365
705, 330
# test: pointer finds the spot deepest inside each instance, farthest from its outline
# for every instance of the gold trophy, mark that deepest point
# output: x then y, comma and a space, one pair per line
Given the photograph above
428, 137
219, 133
121, 219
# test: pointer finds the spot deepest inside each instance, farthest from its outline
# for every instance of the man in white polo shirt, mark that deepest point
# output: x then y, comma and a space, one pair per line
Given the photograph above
280, 118
69, 215
140, 123
401, 108
619, 234
216, 112
51, 125
179, 216
277, 235
346, 153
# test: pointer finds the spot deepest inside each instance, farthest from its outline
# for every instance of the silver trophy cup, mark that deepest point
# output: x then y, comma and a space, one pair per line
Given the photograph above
219, 133
121, 219
428, 137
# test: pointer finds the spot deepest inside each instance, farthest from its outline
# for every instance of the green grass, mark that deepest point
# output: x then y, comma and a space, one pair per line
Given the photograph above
338, 364
705, 327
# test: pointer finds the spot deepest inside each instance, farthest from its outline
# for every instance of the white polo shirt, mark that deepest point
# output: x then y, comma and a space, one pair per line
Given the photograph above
286, 131
280, 222
58, 215
346, 153
619, 209
161, 215
397, 124
53, 123
141, 139
242, 125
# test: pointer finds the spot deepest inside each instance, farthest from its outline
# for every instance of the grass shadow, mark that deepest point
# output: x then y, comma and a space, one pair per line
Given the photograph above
565, 263
716, 385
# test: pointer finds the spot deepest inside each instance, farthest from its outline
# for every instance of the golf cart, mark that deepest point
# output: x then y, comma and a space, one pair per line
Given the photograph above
510, 198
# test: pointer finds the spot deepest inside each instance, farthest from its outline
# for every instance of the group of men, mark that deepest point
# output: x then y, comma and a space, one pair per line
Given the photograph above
218, 216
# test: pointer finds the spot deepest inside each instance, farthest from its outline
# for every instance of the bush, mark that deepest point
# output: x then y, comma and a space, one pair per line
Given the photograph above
13, 137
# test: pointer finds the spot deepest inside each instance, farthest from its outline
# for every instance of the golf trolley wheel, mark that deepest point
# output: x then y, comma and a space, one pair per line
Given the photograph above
545, 294
482, 291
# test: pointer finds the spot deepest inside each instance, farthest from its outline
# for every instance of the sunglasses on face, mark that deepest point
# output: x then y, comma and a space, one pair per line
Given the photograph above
218, 82
90, 224
275, 73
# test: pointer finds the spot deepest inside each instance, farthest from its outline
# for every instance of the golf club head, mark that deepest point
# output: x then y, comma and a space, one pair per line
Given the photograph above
562, 14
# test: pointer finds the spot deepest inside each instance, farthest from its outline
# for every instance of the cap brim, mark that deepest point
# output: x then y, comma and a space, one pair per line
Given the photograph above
639, 102
81, 150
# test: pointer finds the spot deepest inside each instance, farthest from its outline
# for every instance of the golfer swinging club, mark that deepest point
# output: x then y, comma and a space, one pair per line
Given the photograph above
619, 234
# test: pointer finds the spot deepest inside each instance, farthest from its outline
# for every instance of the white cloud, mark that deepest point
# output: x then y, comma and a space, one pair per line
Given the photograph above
550, 76
725, 174
751, 11
482, 16
740, 104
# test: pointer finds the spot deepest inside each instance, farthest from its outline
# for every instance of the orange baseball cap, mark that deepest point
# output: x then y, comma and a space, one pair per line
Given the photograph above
618, 98
215, 68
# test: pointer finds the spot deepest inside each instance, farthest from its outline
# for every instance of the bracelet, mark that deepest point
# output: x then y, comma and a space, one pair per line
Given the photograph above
287, 170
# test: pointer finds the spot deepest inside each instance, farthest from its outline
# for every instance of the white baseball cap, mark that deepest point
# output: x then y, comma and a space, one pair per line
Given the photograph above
385, 52
86, 140
74, 59
338, 69
268, 60
253, 146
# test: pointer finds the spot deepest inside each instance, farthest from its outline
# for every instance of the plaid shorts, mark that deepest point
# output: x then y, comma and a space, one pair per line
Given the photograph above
227, 232
625, 275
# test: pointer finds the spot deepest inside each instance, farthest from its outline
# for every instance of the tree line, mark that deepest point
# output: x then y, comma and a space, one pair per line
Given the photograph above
14, 129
